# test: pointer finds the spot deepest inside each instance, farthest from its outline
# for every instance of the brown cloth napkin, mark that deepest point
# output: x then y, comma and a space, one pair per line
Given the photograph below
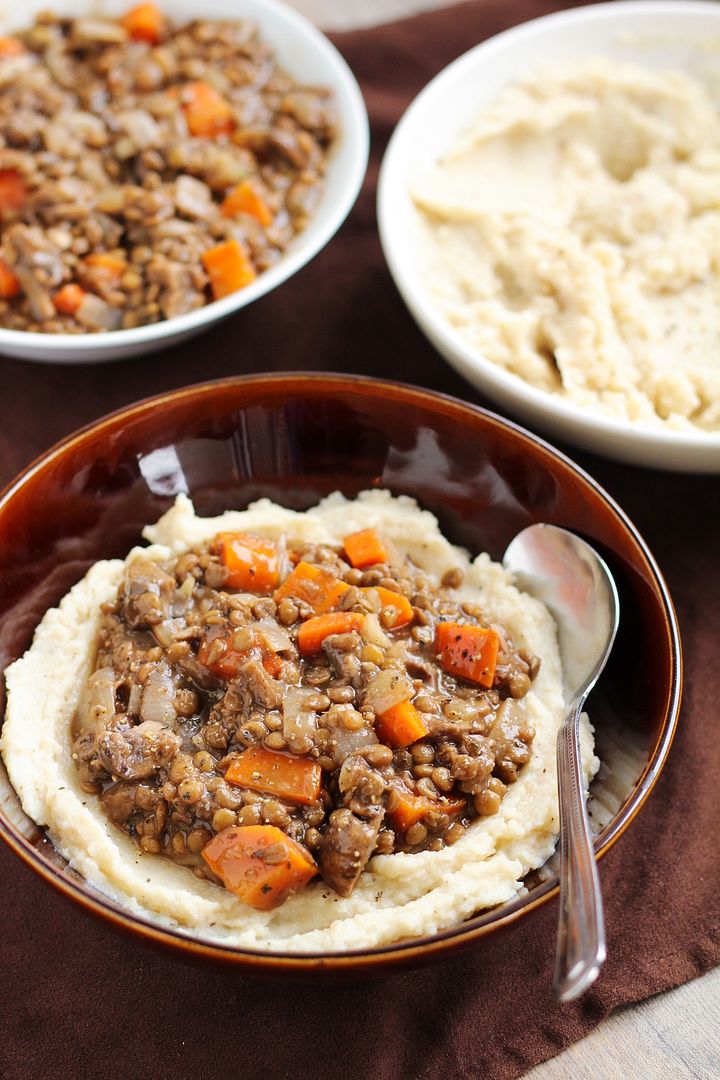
78, 1000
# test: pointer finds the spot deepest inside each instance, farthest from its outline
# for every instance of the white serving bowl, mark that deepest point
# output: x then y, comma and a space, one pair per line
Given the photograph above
308, 57
654, 33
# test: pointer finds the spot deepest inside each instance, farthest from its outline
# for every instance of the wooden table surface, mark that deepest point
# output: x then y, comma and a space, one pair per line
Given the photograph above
674, 1036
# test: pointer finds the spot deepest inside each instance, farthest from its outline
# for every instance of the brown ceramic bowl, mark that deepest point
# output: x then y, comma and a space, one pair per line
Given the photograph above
296, 438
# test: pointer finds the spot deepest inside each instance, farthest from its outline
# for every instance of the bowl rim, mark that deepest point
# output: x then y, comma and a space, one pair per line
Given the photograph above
355, 134
403, 952
468, 361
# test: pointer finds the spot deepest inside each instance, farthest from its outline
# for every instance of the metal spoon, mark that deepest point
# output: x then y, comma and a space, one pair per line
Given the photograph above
576, 586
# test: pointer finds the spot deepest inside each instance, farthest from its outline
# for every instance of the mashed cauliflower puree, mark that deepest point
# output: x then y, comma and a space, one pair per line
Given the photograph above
573, 238
400, 895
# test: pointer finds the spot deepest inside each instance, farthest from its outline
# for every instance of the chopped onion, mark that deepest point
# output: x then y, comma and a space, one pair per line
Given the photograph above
187, 587
389, 687
246, 599
373, 601
193, 198
164, 633
298, 721
106, 31
97, 314
283, 562
56, 60
373, 633
168, 631
175, 227
346, 742
97, 700
274, 635
142, 128
158, 697
134, 700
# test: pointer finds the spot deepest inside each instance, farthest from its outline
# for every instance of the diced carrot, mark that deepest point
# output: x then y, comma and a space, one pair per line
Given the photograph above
401, 604
467, 651
405, 809
400, 725
313, 632
272, 664
245, 199
9, 284
145, 22
315, 586
11, 46
259, 863
227, 665
111, 266
68, 299
297, 779
365, 548
224, 666
207, 113
252, 562
229, 268
13, 190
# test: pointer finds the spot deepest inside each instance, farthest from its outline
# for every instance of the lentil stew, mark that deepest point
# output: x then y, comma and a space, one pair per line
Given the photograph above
147, 169
263, 711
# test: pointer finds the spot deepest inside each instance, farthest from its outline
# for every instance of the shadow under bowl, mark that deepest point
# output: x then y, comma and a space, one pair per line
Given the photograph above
295, 439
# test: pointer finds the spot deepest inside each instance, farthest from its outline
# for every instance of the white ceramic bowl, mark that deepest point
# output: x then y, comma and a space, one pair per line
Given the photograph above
309, 57
657, 34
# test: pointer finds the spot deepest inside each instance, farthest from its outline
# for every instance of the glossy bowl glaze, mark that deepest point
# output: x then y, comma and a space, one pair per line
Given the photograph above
296, 438
306, 54
657, 34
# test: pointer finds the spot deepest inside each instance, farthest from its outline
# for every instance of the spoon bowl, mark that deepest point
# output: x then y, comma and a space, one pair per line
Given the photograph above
575, 585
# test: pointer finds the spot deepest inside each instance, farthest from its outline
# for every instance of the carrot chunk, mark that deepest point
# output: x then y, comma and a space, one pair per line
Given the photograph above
207, 113
405, 808
111, 266
9, 284
272, 664
68, 299
11, 46
315, 586
252, 562
401, 604
259, 863
365, 548
226, 664
294, 778
313, 632
245, 199
400, 725
145, 22
229, 268
467, 651
13, 190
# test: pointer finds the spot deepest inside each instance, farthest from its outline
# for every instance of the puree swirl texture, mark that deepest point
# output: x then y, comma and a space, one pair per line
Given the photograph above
571, 237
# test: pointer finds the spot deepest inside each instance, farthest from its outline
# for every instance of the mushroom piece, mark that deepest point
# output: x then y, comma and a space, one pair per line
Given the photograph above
345, 848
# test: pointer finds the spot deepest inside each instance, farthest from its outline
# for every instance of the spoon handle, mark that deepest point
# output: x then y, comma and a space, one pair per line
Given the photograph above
581, 932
